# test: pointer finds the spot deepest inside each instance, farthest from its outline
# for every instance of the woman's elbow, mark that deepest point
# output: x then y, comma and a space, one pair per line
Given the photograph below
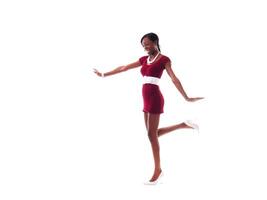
123, 68
175, 81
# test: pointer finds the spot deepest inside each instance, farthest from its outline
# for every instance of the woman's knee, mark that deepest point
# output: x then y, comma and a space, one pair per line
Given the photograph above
152, 135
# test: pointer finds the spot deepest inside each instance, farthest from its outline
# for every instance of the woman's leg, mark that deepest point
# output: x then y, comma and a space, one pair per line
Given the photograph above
151, 123
163, 131
152, 129
146, 119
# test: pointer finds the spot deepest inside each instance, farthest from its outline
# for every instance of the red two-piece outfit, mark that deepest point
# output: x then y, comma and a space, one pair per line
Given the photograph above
152, 97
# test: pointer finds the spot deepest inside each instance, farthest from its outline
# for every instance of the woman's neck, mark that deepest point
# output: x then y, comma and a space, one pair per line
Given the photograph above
153, 54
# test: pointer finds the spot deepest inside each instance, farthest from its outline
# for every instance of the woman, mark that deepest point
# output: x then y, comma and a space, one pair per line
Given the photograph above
152, 68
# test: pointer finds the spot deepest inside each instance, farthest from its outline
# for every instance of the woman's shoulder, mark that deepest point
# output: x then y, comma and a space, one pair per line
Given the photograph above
165, 58
142, 59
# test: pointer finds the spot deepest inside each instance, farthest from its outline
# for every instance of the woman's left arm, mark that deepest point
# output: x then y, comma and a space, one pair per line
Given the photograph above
178, 84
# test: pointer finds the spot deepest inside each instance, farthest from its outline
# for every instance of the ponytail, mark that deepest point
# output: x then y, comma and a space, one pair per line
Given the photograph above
158, 46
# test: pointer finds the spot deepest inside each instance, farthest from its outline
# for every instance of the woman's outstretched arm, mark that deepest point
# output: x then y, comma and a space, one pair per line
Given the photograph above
118, 69
178, 84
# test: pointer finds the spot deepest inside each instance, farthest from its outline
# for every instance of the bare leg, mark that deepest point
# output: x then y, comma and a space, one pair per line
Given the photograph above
152, 129
151, 123
163, 131
146, 119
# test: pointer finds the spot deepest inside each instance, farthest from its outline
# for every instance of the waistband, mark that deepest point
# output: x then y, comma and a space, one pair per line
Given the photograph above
151, 80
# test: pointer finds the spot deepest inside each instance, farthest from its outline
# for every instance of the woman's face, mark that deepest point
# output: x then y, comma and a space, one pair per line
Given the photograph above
149, 46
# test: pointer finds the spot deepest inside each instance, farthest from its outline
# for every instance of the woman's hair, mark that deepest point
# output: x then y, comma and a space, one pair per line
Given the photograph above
153, 37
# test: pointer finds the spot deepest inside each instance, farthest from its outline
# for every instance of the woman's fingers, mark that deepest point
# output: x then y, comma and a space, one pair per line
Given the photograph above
195, 99
97, 72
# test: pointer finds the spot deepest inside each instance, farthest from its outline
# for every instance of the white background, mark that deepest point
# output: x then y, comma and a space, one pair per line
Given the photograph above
68, 134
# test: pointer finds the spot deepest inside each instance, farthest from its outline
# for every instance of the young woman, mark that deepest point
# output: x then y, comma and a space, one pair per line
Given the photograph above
152, 68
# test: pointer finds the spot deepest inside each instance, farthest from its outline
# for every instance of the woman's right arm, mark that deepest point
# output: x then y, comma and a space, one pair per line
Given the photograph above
119, 69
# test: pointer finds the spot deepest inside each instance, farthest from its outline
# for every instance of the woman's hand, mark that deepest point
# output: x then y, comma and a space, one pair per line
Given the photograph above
97, 73
193, 99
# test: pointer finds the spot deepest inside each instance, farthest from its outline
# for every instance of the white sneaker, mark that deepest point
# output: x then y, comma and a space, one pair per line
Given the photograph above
192, 124
156, 181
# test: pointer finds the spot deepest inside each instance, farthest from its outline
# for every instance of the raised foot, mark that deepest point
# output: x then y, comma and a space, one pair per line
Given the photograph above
192, 125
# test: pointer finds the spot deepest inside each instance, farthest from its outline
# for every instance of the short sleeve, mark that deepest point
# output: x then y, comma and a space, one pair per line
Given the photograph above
166, 60
142, 59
